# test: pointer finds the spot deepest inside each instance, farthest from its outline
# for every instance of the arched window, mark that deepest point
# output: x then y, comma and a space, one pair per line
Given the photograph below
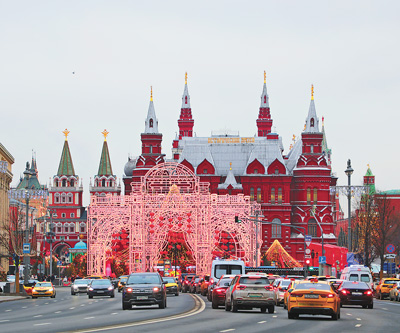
72, 183
273, 195
279, 196
308, 196
265, 98
59, 228
70, 197
276, 228
63, 198
252, 194
312, 122
111, 183
312, 227
311, 148
103, 183
259, 194
64, 183
185, 99
66, 228
255, 171
57, 198
82, 228
151, 122
56, 183
315, 196
151, 149
72, 227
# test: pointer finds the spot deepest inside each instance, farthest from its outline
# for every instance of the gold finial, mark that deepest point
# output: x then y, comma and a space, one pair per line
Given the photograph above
230, 166
305, 126
105, 133
66, 132
323, 121
185, 77
368, 165
294, 138
151, 93
312, 92
265, 77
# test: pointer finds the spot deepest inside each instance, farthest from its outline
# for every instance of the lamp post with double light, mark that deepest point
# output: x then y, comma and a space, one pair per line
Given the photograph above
349, 172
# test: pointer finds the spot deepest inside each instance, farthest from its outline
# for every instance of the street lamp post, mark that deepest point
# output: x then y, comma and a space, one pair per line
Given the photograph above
27, 174
320, 266
349, 172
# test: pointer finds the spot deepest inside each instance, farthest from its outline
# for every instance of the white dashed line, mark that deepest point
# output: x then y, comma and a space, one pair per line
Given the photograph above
57, 312
24, 307
349, 314
8, 310
4, 320
42, 324
46, 303
89, 318
228, 330
274, 316
36, 305
262, 322
358, 318
384, 309
72, 308
82, 304
114, 313
37, 316
358, 325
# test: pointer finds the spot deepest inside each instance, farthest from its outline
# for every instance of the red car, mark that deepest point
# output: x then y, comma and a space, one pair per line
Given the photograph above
218, 293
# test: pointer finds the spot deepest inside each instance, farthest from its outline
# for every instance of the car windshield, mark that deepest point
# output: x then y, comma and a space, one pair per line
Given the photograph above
364, 278
391, 281
81, 281
254, 280
227, 269
100, 282
224, 282
316, 286
169, 279
144, 279
284, 283
42, 284
124, 278
352, 285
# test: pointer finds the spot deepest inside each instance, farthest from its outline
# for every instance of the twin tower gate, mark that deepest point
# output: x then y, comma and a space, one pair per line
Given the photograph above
170, 197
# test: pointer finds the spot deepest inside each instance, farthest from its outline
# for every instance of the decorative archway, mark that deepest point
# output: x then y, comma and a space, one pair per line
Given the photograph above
170, 197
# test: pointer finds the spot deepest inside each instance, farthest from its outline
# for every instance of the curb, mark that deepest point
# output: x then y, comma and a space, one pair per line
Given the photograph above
13, 299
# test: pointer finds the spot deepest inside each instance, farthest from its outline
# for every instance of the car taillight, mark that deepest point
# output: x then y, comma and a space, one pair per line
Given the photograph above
345, 292
219, 290
241, 287
212, 281
368, 292
294, 294
331, 295
128, 290
268, 287
281, 289
186, 282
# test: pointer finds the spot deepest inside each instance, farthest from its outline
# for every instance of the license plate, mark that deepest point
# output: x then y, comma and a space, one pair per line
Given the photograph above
310, 296
255, 295
141, 298
357, 294
100, 291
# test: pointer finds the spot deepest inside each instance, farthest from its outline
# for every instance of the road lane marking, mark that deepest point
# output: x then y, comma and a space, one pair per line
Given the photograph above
274, 316
349, 314
228, 330
262, 322
358, 325
4, 320
37, 316
358, 318
82, 304
198, 307
114, 313
42, 324
89, 318
46, 303
24, 307
8, 310
72, 308
57, 312
384, 309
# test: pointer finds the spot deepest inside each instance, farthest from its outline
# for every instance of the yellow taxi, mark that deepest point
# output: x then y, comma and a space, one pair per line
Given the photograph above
290, 288
384, 286
122, 282
313, 297
43, 289
171, 287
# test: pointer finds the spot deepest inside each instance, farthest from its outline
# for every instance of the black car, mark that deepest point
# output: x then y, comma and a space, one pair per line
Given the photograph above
100, 287
356, 293
144, 289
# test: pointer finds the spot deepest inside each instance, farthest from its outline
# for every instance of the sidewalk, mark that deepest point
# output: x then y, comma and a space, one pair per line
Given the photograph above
11, 298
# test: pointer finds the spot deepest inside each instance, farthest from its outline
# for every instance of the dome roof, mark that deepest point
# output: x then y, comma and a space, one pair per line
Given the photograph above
129, 166
80, 245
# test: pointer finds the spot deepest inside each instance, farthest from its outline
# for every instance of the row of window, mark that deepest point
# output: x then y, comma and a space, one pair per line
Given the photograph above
315, 196
67, 228
276, 198
104, 183
276, 228
63, 198
64, 183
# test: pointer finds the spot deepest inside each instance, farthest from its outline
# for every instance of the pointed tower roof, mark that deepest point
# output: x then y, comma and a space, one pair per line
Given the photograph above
230, 180
264, 95
369, 180
312, 122
66, 167
105, 168
325, 147
185, 96
151, 123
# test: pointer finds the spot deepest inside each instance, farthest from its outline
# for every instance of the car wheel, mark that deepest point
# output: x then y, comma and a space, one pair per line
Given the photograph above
112, 295
33, 297
163, 305
234, 307
90, 296
364, 306
177, 294
289, 315
227, 307
53, 296
214, 305
271, 309
284, 306
335, 316
263, 310
371, 306
72, 293
126, 306
380, 296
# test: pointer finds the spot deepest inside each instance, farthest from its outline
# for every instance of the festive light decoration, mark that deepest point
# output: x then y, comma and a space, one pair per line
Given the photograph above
277, 253
170, 191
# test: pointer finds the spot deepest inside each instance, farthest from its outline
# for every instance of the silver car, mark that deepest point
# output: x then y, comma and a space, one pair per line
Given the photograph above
79, 286
279, 291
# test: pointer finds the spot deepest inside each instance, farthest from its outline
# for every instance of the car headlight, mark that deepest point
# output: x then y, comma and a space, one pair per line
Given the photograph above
90, 288
51, 289
110, 288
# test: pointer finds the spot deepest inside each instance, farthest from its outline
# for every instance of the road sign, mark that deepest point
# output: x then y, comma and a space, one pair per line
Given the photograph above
322, 260
308, 240
26, 248
390, 248
59, 263
307, 256
390, 256
308, 251
297, 268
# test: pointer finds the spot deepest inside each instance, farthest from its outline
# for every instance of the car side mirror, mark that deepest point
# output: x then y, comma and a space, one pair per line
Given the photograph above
290, 290
164, 282
207, 278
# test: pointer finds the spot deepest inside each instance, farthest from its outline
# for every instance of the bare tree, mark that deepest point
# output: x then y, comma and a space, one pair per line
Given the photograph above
386, 225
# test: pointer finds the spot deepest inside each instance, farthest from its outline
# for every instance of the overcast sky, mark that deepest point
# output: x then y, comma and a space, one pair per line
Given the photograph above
117, 49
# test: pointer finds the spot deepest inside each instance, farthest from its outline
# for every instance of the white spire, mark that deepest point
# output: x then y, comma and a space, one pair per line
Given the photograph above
312, 122
151, 123
264, 95
185, 97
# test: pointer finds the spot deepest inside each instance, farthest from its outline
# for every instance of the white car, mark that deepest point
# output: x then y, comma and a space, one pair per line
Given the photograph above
279, 290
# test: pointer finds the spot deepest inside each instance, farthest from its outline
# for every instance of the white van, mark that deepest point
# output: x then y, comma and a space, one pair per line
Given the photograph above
357, 273
226, 267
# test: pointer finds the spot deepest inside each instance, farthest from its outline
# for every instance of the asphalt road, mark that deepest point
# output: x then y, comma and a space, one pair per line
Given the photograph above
184, 313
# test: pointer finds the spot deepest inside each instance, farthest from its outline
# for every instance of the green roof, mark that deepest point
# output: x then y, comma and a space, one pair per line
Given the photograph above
105, 168
369, 173
391, 192
66, 168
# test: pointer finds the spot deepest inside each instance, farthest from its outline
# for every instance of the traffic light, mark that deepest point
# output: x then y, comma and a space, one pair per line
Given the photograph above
308, 262
236, 219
